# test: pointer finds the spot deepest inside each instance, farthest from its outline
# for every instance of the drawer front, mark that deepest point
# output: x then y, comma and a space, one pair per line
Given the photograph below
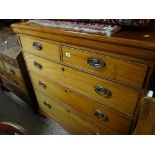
19, 92
71, 121
120, 70
13, 70
16, 81
89, 108
2, 65
116, 96
41, 48
8, 59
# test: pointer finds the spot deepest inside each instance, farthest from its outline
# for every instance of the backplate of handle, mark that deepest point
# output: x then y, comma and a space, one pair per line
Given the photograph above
43, 85
38, 65
37, 45
96, 63
100, 115
104, 92
47, 105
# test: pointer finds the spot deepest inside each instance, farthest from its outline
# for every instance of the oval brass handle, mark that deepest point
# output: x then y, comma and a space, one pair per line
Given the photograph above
43, 85
47, 105
38, 65
100, 115
16, 82
96, 63
37, 45
12, 71
103, 91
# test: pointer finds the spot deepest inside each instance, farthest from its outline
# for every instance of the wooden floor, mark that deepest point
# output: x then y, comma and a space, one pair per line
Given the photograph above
15, 110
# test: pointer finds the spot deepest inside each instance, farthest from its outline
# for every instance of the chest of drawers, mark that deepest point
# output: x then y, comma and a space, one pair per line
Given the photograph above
13, 73
89, 84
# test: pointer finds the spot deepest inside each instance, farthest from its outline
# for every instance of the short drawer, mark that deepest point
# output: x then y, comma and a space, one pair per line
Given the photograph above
13, 70
117, 69
92, 110
113, 95
41, 48
71, 121
19, 92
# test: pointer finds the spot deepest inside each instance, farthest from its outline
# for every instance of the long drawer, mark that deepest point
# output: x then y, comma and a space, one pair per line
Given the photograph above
16, 81
41, 48
19, 92
72, 121
87, 107
117, 69
13, 70
116, 96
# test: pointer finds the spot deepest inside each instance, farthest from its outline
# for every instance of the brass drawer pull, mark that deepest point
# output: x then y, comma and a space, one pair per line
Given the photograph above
96, 63
47, 105
38, 65
100, 115
102, 91
43, 85
16, 82
12, 71
37, 45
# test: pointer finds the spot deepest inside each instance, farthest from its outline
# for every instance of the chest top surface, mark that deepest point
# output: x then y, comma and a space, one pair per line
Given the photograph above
142, 39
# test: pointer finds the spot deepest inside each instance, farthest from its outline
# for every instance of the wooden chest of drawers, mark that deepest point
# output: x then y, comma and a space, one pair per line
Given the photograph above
14, 74
89, 84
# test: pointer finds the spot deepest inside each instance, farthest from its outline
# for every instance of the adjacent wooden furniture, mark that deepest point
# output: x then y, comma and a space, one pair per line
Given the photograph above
89, 84
14, 75
146, 119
